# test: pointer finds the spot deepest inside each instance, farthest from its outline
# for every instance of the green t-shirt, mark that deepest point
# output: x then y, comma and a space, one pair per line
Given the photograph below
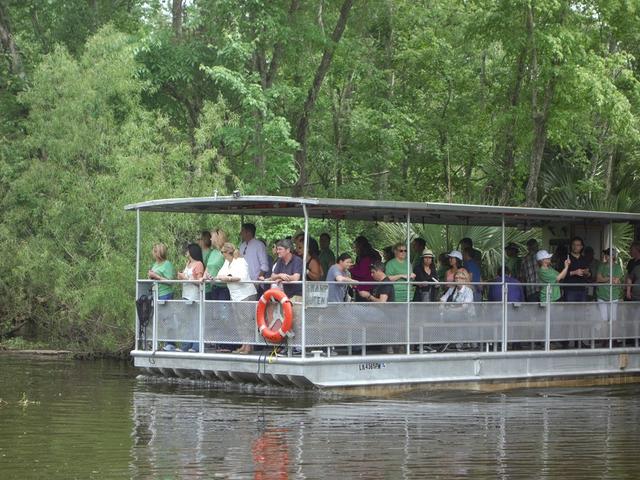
602, 293
549, 275
166, 271
214, 263
205, 256
394, 267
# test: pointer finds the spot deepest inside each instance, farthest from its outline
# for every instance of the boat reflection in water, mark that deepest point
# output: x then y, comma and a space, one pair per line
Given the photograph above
182, 432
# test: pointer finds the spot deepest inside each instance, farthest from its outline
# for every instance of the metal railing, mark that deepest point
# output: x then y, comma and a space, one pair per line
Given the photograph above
418, 326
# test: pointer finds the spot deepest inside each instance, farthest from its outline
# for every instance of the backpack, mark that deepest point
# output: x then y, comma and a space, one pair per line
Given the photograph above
144, 308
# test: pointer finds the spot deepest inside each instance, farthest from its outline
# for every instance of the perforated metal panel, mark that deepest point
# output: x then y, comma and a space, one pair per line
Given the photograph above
450, 322
344, 324
577, 321
177, 320
627, 323
526, 322
357, 324
230, 322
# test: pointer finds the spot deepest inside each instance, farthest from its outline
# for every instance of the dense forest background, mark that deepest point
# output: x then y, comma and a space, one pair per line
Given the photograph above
110, 102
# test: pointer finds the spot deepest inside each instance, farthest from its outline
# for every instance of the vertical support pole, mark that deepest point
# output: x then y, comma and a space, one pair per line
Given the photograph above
201, 317
304, 281
504, 291
409, 272
610, 285
337, 239
154, 337
547, 321
138, 273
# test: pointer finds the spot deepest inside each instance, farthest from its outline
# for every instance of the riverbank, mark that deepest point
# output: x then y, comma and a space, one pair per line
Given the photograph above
21, 346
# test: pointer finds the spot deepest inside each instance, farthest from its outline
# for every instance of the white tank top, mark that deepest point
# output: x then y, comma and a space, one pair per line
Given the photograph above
190, 291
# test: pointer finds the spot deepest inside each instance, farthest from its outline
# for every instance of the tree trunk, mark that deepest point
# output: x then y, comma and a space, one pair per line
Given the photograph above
539, 115
302, 128
278, 49
177, 17
540, 119
340, 109
443, 135
9, 45
608, 181
267, 77
509, 151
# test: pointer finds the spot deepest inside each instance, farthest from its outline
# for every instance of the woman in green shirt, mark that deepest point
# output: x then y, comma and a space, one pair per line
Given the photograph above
398, 270
162, 269
547, 274
603, 294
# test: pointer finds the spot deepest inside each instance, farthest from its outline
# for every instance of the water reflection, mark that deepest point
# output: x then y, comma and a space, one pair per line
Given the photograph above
570, 433
94, 420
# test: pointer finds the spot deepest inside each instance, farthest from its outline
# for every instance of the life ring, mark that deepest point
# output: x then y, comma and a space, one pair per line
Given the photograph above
267, 331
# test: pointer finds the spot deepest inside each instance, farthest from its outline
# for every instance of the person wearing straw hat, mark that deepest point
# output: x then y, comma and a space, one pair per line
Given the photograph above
547, 274
426, 278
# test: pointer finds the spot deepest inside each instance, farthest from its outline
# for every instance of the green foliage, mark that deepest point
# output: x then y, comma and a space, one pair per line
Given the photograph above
424, 100
19, 343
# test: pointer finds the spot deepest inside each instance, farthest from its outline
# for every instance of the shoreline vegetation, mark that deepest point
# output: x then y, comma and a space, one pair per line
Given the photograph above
19, 346
104, 104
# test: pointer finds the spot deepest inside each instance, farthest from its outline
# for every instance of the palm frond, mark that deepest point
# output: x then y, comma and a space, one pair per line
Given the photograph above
444, 238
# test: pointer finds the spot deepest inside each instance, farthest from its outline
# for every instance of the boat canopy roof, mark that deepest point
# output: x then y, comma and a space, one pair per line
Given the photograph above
382, 211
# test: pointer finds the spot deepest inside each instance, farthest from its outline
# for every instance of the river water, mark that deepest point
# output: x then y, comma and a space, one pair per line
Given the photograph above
95, 420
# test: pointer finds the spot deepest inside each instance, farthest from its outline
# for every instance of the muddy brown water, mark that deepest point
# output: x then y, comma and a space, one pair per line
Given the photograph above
64, 419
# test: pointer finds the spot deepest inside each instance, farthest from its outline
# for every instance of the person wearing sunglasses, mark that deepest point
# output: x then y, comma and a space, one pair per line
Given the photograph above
398, 270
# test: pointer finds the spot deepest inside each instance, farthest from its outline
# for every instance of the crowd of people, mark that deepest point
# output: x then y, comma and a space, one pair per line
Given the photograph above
242, 273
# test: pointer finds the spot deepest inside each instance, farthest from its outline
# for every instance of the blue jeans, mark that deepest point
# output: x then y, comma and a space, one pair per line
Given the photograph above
190, 346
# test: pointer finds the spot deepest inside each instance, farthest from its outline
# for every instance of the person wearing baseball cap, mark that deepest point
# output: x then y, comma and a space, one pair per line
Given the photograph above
455, 262
547, 274
606, 293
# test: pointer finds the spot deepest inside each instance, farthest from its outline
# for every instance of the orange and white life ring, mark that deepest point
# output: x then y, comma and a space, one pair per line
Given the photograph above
267, 330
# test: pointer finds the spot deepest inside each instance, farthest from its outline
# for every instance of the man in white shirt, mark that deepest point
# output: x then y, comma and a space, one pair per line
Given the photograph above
254, 252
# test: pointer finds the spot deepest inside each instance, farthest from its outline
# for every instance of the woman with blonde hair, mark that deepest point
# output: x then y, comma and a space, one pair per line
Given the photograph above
460, 292
163, 269
214, 263
235, 272
218, 238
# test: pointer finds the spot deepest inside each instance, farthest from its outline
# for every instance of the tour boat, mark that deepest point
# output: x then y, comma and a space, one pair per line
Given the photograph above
342, 346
